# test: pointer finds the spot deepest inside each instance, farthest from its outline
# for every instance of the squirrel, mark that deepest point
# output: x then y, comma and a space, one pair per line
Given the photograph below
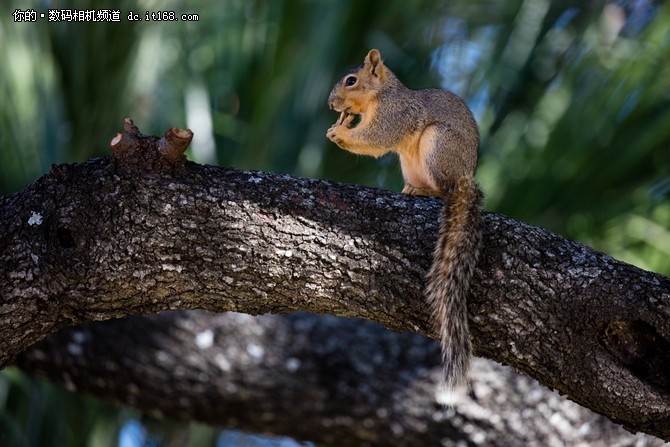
436, 137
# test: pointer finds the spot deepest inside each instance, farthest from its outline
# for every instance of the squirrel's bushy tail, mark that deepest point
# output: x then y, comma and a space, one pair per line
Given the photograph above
449, 277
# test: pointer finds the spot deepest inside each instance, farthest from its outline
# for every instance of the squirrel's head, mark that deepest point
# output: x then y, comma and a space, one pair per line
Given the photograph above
357, 89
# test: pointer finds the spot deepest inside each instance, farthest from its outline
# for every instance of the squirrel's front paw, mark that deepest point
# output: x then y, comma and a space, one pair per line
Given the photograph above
336, 134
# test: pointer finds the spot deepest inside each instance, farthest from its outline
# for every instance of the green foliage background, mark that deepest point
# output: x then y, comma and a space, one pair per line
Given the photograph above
573, 101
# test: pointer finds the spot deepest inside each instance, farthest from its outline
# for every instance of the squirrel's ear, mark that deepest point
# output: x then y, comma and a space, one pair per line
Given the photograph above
374, 63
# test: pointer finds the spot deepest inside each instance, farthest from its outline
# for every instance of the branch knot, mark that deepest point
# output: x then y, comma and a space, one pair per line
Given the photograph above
134, 151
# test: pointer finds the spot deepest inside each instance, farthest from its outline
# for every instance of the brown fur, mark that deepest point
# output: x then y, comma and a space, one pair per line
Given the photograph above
436, 138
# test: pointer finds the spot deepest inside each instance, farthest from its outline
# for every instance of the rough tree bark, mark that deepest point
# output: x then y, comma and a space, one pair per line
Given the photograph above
145, 231
336, 381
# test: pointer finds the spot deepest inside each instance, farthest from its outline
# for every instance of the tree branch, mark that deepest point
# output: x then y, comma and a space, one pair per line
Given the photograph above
300, 373
145, 231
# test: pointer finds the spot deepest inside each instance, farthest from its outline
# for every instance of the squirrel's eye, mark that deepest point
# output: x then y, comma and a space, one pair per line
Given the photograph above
351, 80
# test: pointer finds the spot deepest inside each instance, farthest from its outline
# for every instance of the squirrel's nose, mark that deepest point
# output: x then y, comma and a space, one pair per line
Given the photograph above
333, 104
331, 101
